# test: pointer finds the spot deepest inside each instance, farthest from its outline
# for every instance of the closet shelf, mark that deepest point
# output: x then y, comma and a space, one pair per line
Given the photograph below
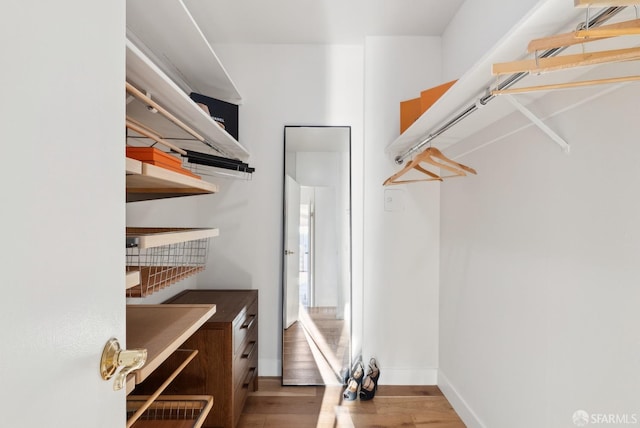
164, 256
161, 329
169, 32
146, 182
548, 17
149, 78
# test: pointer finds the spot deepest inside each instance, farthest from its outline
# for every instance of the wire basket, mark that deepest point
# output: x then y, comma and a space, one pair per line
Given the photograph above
170, 411
164, 256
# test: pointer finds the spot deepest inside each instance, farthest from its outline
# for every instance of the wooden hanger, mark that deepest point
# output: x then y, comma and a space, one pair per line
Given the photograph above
434, 157
540, 65
591, 3
625, 28
565, 85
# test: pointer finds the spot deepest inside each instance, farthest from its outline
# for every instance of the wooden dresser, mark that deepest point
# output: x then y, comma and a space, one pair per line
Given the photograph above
227, 363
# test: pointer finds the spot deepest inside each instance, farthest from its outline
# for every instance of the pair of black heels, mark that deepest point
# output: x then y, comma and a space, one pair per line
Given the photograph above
360, 385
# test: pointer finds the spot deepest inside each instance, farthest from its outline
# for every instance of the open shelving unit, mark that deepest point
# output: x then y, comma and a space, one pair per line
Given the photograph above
165, 53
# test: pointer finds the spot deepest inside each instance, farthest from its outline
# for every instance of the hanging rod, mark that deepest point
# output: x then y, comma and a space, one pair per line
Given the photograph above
596, 21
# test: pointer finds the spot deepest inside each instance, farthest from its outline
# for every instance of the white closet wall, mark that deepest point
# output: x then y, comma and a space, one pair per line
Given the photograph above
281, 85
476, 28
539, 270
401, 246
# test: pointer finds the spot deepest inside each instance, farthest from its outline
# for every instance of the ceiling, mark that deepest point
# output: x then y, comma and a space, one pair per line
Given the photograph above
319, 21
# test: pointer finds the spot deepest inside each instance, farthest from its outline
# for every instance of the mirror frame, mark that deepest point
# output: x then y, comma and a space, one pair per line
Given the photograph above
343, 374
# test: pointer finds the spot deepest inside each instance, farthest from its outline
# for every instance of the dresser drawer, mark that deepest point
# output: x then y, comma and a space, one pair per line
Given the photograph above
246, 358
242, 391
244, 327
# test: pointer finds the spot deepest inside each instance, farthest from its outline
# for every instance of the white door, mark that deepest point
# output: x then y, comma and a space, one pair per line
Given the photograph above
291, 249
63, 211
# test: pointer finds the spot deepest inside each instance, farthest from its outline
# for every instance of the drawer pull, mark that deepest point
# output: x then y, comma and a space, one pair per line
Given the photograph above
248, 351
249, 378
249, 322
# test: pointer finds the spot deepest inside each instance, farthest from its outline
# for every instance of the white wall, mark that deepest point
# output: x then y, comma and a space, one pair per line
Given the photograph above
539, 270
62, 108
402, 247
476, 28
281, 85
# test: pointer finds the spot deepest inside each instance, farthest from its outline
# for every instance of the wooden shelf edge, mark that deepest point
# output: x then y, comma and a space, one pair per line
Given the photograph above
133, 166
132, 278
157, 239
162, 329
149, 178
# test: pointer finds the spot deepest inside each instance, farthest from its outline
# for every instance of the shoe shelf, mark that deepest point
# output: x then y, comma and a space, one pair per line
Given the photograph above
164, 256
146, 181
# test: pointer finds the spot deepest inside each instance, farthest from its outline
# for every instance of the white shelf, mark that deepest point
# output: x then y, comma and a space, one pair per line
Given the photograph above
169, 31
146, 181
547, 18
148, 77
151, 237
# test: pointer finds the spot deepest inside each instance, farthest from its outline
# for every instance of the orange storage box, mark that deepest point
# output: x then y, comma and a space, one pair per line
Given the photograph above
153, 155
157, 157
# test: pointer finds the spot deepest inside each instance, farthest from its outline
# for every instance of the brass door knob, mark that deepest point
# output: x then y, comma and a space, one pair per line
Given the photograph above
113, 356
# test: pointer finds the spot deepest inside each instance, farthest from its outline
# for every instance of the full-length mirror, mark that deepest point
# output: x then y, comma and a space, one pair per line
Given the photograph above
317, 255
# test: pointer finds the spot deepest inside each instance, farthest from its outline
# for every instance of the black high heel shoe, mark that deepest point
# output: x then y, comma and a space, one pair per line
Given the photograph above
370, 382
368, 389
374, 371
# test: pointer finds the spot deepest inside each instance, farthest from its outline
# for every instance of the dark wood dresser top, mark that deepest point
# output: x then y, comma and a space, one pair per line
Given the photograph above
229, 303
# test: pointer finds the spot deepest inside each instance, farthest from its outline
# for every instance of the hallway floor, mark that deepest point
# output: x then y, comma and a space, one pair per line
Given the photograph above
275, 406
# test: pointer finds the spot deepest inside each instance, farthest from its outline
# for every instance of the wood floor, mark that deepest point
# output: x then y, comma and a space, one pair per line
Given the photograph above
299, 365
275, 406
323, 364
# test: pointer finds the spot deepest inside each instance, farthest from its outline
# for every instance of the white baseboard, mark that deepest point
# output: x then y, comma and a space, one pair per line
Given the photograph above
461, 407
410, 376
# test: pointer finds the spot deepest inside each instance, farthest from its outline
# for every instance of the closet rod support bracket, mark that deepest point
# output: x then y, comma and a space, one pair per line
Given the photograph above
539, 123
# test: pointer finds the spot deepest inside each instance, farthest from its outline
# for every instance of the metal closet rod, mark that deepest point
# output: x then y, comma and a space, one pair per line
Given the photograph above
596, 21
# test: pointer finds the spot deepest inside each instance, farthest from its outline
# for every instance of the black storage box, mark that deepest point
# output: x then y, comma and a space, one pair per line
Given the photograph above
226, 114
